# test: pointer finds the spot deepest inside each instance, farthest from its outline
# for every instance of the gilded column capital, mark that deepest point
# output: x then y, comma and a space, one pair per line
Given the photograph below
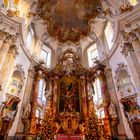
13, 49
3, 35
10, 39
126, 48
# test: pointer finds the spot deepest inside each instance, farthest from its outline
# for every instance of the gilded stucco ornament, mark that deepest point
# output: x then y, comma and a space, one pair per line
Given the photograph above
10, 39
12, 13
126, 7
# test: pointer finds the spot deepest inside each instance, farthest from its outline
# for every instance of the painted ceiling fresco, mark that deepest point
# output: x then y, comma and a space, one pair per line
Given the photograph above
67, 20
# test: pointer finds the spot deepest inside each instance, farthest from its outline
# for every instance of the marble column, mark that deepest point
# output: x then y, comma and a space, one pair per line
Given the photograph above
34, 97
28, 88
83, 95
2, 37
135, 44
133, 64
114, 99
106, 100
10, 39
55, 95
49, 94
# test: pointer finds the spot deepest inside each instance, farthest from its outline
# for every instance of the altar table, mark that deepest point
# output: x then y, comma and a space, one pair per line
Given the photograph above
72, 137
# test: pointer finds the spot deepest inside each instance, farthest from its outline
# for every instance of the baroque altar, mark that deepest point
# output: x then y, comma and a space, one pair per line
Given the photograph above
70, 112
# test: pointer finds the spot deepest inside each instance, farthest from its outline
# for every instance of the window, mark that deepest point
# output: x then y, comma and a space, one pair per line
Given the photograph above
41, 88
109, 34
98, 92
46, 55
30, 38
98, 100
41, 91
39, 113
101, 113
92, 54
133, 2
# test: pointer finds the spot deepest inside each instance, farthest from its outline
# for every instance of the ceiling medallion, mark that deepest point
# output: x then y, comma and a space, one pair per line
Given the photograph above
67, 20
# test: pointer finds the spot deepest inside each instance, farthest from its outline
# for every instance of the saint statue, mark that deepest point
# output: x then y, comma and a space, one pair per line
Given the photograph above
112, 110
25, 118
114, 120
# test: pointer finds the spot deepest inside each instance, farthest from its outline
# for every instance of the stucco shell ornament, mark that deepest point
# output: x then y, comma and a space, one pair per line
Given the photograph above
67, 20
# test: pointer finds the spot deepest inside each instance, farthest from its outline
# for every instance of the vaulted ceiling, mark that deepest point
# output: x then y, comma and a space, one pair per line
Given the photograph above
58, 22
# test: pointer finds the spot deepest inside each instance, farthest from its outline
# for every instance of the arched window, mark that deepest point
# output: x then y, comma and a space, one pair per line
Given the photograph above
93, 54
109, 34
133, 2
46, 55
16, 84
30, 37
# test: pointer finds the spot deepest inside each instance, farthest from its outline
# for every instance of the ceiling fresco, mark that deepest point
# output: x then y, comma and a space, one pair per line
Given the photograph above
67, 20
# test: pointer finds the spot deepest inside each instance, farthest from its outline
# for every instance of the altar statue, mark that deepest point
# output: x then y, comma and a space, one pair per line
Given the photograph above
26, 115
